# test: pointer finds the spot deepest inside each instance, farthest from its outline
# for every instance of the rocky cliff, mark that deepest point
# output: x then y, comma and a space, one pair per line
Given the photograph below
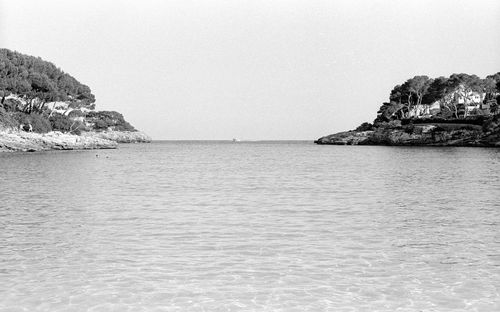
429, 134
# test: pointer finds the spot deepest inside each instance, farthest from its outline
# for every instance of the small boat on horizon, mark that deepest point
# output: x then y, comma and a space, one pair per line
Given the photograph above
236, 140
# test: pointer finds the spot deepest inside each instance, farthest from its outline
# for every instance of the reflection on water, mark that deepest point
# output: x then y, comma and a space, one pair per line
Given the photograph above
213, 226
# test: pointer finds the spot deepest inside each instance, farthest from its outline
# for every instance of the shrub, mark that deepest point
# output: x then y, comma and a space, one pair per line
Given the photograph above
394, 124
410, 128
365, 126
494, 106
38, 122
124, 126
6, 120
437, 129
100, 124
11, 105
64, 123
105, 120
471, 120
492, 124
76, 113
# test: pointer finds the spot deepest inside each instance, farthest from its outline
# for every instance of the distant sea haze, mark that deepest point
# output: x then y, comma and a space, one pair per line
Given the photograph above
250, 226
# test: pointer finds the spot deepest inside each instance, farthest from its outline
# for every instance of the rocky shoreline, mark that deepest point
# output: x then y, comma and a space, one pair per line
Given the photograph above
21, 141
120, 136
418, 135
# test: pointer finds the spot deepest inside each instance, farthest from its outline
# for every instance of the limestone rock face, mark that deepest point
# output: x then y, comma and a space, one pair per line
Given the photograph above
13, 140
346, 138
121, 136
422, 136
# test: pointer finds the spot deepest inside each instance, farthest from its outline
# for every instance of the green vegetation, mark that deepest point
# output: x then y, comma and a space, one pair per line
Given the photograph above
28, 84
108, 120
462, 110
37, 82
365, 126
460, 96
64, 123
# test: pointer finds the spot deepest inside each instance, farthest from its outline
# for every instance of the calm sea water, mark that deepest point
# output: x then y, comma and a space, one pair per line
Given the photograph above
263, 226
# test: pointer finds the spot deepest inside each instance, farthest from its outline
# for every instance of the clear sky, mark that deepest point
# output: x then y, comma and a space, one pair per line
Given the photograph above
270, 69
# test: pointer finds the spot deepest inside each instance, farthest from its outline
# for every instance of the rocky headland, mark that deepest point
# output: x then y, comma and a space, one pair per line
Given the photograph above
461, 110
420, 135
43, 108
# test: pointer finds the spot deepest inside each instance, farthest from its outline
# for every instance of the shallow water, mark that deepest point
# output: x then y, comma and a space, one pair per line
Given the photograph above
263, 226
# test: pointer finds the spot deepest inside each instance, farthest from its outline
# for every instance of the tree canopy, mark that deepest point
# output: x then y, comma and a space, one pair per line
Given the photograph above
424, 90
37, 82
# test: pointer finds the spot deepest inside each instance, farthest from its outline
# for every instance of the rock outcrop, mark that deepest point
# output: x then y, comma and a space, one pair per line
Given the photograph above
422, 135
121, 136
13, 140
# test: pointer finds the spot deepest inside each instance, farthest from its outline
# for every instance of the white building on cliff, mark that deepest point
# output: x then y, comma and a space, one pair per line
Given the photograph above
461, 99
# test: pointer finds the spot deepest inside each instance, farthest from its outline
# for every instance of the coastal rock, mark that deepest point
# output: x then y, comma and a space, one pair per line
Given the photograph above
416, 135
13, 140
346, 138
120, 136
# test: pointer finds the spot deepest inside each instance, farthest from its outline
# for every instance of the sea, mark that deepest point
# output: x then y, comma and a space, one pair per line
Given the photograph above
250, 226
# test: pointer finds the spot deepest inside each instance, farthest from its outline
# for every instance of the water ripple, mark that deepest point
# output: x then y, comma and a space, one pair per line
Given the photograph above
197, 226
